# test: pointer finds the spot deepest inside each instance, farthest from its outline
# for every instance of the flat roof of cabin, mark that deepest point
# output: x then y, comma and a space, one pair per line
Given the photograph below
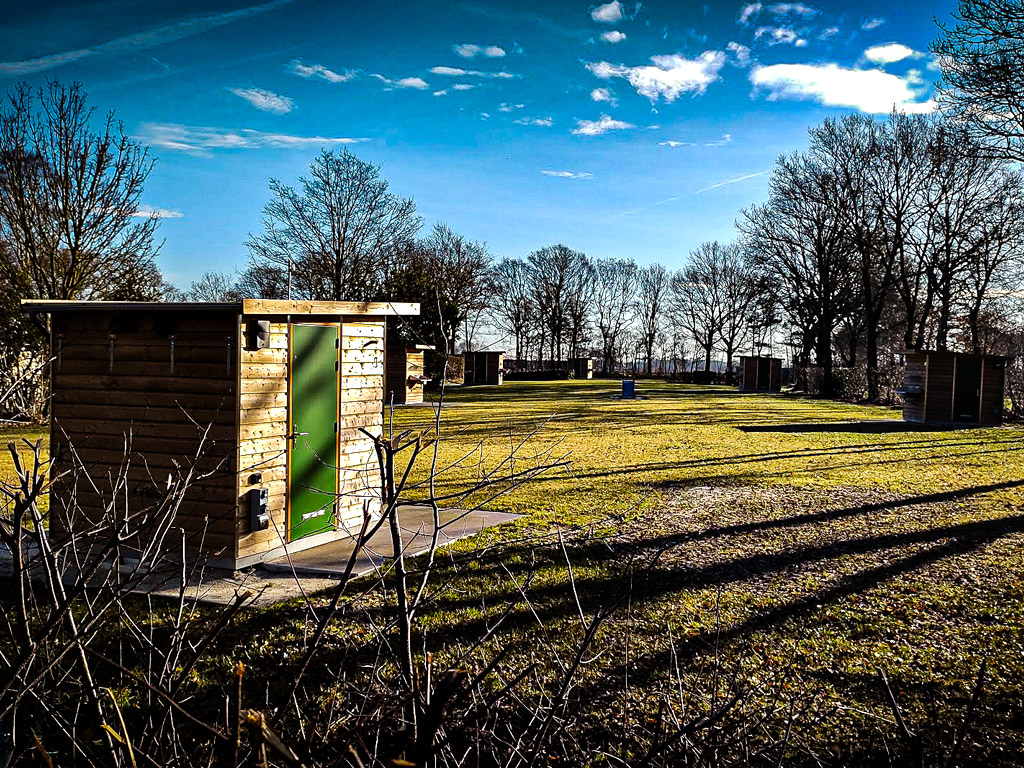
242, 306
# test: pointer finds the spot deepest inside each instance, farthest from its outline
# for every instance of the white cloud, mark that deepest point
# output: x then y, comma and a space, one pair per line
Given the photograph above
458, 72
471, 50
603, 94
417, 83
890, 53
872, 23
613, 36
828, 32
609, 13
413, 82
780, 36
150, 212
463, 87
676, 144
506, 107
442, 92
741, 53
793, 9
568, 174
318, 72
599, 127
670, 77
540, 122
149, 38
869, 90
265, 100
201, 141
725, 139
749, 11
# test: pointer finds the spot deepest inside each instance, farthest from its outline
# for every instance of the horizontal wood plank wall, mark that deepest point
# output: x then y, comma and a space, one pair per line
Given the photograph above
362, 394
263, 426
149, 394
263, 430
401, 364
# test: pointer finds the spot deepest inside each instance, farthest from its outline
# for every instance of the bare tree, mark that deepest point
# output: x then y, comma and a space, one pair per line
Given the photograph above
70, 200
554, 270
982, 60
652, 294
799, 246
333, 236
737, 289
514, 310
697, 297
457, 270
212, 286
613, 305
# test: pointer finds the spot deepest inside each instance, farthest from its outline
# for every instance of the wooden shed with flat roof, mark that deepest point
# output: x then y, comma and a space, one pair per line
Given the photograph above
760, 374
484, 368
404, 374
953, 387
266, 399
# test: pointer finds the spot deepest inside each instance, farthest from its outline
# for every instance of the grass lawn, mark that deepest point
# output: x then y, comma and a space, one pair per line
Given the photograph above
782, 545
805, 546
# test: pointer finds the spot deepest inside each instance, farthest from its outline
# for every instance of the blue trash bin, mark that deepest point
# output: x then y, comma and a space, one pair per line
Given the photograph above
628, 389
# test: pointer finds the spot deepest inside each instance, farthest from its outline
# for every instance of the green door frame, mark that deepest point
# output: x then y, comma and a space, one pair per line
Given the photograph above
314, 396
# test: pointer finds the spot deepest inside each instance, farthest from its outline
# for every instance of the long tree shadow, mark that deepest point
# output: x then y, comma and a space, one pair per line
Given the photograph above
867, 427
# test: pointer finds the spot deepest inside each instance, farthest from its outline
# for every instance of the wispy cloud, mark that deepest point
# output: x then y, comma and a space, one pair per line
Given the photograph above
669, 77
507, 107
600, 127
741, 54
749, 12
609, 13
780, 36
199, 140
890, 53
676, 144
471, 50
869, 90
872, 23
459, 72
540, 122
828, 32
265, 100
726, 138
792, 10
731, 181
603, 94
568, 174
463, 87
193, 25
319, 72
613, 36
150, 212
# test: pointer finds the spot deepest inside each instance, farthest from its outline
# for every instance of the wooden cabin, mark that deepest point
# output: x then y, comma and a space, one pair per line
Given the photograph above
265, 399
484, 368
953, 388
760, 374
582, 367
403, 374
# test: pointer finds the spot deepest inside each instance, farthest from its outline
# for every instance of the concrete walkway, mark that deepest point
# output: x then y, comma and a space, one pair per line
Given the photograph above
318, 568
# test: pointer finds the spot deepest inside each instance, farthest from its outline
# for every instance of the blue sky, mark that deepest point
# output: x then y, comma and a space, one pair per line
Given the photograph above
624, 129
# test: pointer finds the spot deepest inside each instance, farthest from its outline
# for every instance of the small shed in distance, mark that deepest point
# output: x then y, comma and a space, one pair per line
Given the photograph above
484, 368
953, 388
403, 375
277, 391
760, 374
582, 367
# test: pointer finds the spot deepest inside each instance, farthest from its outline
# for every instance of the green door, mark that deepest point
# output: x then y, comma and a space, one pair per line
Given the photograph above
313, 451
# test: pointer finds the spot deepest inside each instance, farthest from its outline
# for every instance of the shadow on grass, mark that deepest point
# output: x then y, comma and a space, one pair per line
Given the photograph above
869, 427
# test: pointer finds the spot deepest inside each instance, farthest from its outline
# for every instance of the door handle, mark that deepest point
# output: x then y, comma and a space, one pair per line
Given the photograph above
295, 435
